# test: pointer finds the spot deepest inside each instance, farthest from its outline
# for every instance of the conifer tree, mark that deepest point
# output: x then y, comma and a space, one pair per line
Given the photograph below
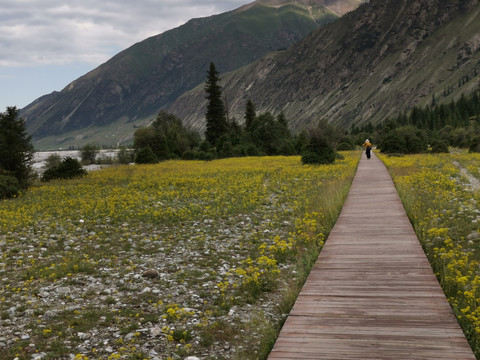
216, 118
250, 115
16, 149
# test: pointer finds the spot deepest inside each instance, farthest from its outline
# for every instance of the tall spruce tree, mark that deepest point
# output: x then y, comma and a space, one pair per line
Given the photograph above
16, 149
217, 124
250, 115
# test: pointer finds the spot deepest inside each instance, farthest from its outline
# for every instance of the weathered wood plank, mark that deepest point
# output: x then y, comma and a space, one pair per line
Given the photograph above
372, 293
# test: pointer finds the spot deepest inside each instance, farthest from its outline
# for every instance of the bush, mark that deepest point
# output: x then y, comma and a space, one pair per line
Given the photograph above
252, 150
146, 156
89, 153
474, 146
345, 146
69, 168
391, 143
225, 149
9, 186
310, 157
404, 140
318, 151
190, 155
125, 156
52, 161
438, 146
206, 156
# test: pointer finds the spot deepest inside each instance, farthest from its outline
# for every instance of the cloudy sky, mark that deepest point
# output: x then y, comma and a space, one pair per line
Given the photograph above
46, 44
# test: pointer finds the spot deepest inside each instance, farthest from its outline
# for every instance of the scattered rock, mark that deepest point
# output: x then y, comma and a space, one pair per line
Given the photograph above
43, 294
11, 311
50, 314
39, 356
151, 274
473, 236
63, 290
83, 336
156, 331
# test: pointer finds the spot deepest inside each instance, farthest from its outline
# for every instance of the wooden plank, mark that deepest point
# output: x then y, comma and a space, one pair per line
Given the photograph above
372, 293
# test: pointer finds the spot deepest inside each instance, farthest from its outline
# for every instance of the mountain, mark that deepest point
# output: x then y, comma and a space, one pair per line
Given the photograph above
373, 63
106, 104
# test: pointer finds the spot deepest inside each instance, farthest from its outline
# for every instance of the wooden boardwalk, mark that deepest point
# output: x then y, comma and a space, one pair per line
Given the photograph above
372, 293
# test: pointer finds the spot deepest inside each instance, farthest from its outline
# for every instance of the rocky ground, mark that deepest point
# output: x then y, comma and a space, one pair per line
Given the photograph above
169, 261
156, 293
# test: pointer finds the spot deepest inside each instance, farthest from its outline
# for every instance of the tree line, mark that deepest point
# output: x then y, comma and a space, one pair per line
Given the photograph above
432, 128
262, 134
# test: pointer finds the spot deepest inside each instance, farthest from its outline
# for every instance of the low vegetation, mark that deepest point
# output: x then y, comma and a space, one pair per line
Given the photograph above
163, 261
441, 195
67, 168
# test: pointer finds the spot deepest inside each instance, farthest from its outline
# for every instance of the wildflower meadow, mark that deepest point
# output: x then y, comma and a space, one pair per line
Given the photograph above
441, 196
166, 261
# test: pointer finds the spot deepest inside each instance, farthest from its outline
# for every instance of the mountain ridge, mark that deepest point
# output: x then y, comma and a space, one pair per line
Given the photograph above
135, 84
375, 62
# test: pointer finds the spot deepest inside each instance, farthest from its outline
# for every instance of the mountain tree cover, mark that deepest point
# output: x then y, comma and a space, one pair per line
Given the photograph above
16, 154
166, 138
262, 134
438, 125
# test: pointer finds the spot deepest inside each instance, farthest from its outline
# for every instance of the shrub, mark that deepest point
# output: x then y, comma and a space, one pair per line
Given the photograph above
53, 160
125, 156
344, 146
206, 156
474, 146
226, 149
190, 155
251, 150
89, 153
391, 143
69, 168
146, 156
310, 157
404, 140
438, 146
9, 186
318, 151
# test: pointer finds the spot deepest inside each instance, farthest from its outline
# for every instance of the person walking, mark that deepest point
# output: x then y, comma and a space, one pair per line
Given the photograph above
368, 148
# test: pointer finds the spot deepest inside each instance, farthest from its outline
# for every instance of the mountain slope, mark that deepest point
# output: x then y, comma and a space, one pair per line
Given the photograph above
372, 63
135, 84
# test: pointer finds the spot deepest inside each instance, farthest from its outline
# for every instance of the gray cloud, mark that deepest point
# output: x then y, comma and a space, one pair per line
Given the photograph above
41, 32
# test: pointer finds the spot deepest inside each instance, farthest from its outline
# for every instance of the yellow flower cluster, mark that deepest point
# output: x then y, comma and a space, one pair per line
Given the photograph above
443, 208
174, 313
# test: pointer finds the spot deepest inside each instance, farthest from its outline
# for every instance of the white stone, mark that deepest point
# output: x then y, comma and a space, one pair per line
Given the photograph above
63, 290
156, 331
473, 236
